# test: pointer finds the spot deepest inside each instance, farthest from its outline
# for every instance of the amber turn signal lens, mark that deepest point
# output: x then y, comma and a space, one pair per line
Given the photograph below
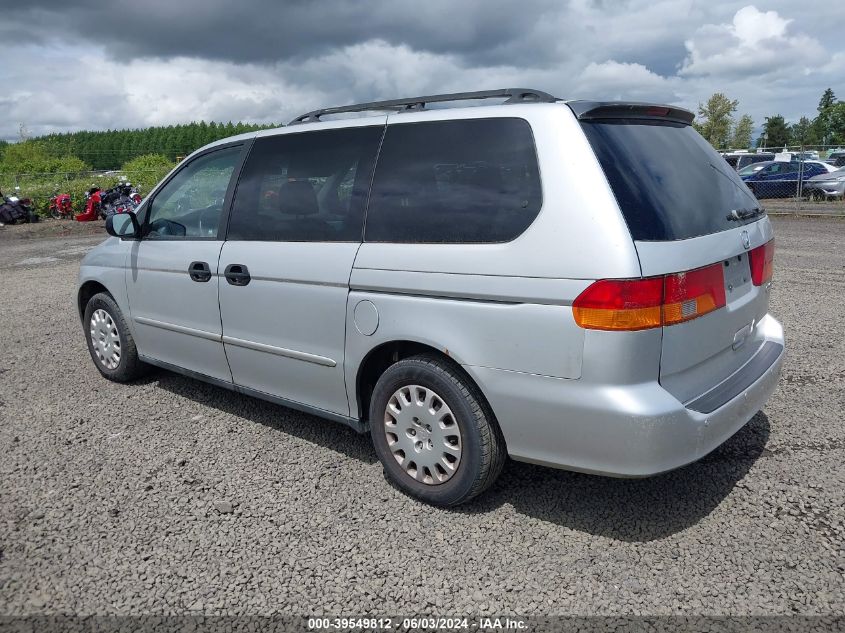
640, 304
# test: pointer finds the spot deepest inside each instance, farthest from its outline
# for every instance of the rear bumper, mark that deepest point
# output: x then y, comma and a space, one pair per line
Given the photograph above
623, 431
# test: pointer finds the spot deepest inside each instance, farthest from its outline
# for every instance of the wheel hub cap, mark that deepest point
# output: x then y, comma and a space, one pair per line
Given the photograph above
105, 339
422, 434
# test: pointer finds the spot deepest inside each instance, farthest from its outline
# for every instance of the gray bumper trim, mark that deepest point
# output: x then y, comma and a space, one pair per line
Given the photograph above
746, 376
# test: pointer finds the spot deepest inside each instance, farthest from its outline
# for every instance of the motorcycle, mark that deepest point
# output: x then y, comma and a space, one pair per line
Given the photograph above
61, 207
92, 205
14, 209
121, 198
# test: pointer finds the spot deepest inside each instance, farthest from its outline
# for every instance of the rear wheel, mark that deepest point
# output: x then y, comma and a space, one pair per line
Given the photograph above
433, 432
110, 342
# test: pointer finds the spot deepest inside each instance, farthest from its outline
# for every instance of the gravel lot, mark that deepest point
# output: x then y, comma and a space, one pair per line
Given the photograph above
171, 496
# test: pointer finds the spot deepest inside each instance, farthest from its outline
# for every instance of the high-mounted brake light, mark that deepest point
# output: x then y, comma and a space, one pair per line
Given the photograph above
640, 304
762, 260
657, 111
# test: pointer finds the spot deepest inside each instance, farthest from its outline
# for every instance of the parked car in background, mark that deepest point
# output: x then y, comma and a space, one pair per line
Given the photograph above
823, 186
797, 156
740, 160
836, 158
430, 276
753, 168
782, 179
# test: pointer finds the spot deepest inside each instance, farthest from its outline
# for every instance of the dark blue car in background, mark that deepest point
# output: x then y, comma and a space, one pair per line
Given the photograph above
781, 179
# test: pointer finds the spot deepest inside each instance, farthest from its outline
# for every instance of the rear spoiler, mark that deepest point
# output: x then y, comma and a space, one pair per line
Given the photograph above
603, 110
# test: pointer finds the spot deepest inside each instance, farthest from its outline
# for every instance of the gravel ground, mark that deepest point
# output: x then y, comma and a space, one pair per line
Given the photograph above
804, 207
50, 228
171, 496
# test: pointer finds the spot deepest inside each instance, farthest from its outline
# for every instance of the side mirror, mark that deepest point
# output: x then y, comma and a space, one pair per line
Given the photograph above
123, 225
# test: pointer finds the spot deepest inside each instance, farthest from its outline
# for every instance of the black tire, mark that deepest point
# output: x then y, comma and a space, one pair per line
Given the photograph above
483, 453
129, 366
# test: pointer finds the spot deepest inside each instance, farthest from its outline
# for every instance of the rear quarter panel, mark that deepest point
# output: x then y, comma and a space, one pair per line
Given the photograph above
501, 306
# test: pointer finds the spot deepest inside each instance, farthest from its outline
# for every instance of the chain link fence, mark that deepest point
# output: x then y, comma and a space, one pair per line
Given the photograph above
806, 180
791, 180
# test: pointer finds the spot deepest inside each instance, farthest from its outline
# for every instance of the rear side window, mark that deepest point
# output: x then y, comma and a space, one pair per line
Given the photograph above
669, 182
306, 187
468, 181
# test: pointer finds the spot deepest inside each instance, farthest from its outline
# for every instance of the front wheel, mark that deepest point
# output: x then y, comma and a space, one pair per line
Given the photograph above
433, 432
110, 342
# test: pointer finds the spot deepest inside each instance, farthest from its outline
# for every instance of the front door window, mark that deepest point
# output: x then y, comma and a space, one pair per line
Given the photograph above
190, 205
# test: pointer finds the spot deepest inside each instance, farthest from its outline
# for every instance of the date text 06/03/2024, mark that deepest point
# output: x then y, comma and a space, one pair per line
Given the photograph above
415, 623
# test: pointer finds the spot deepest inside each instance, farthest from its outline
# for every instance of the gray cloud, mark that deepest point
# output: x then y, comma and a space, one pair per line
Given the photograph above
268, 30
94, 65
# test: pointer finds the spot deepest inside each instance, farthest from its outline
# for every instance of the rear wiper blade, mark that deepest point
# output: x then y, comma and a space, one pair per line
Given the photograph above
744, 214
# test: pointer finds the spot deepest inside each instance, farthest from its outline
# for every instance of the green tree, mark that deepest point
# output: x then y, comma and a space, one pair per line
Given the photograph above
31, 158
803, 133
145, 171
823, 125
828, 99
775, 132
836, 123
717, 119
742, 132
111, 148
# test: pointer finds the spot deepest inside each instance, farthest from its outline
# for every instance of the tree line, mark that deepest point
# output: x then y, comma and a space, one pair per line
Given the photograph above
112, 148
716, 123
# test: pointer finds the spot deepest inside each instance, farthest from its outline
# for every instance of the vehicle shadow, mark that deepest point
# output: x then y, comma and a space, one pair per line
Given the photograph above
637, 510
328, 434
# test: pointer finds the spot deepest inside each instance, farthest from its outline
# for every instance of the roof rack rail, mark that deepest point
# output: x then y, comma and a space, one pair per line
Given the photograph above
513, 95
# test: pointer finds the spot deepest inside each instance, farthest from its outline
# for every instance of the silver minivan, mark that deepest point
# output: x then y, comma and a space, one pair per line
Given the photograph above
583, 285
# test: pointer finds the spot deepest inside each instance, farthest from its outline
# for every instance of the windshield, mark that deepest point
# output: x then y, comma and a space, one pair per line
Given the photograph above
669, 182
752, 169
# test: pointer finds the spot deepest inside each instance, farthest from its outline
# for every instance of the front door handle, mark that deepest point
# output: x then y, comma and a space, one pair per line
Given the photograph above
237, 274
199, 271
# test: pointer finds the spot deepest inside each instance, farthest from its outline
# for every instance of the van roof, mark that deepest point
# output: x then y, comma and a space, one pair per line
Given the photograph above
583, 109
512, 95
587, 110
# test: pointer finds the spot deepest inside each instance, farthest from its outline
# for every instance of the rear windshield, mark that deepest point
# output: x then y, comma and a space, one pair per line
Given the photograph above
669, 182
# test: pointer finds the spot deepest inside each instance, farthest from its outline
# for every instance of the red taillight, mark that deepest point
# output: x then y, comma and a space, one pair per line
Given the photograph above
620, 304
639, 304
762, 260
693, 293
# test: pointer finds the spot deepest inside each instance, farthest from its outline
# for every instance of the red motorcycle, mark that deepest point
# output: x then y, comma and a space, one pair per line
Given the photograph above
92, 206
61, 207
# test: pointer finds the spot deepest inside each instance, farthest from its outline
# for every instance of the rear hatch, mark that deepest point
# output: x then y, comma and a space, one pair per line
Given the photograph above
687, 211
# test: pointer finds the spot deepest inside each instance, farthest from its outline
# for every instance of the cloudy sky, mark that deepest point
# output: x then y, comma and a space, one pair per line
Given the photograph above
132, 63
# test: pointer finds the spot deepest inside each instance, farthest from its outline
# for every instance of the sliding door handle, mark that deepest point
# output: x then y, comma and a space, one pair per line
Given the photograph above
237, 274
